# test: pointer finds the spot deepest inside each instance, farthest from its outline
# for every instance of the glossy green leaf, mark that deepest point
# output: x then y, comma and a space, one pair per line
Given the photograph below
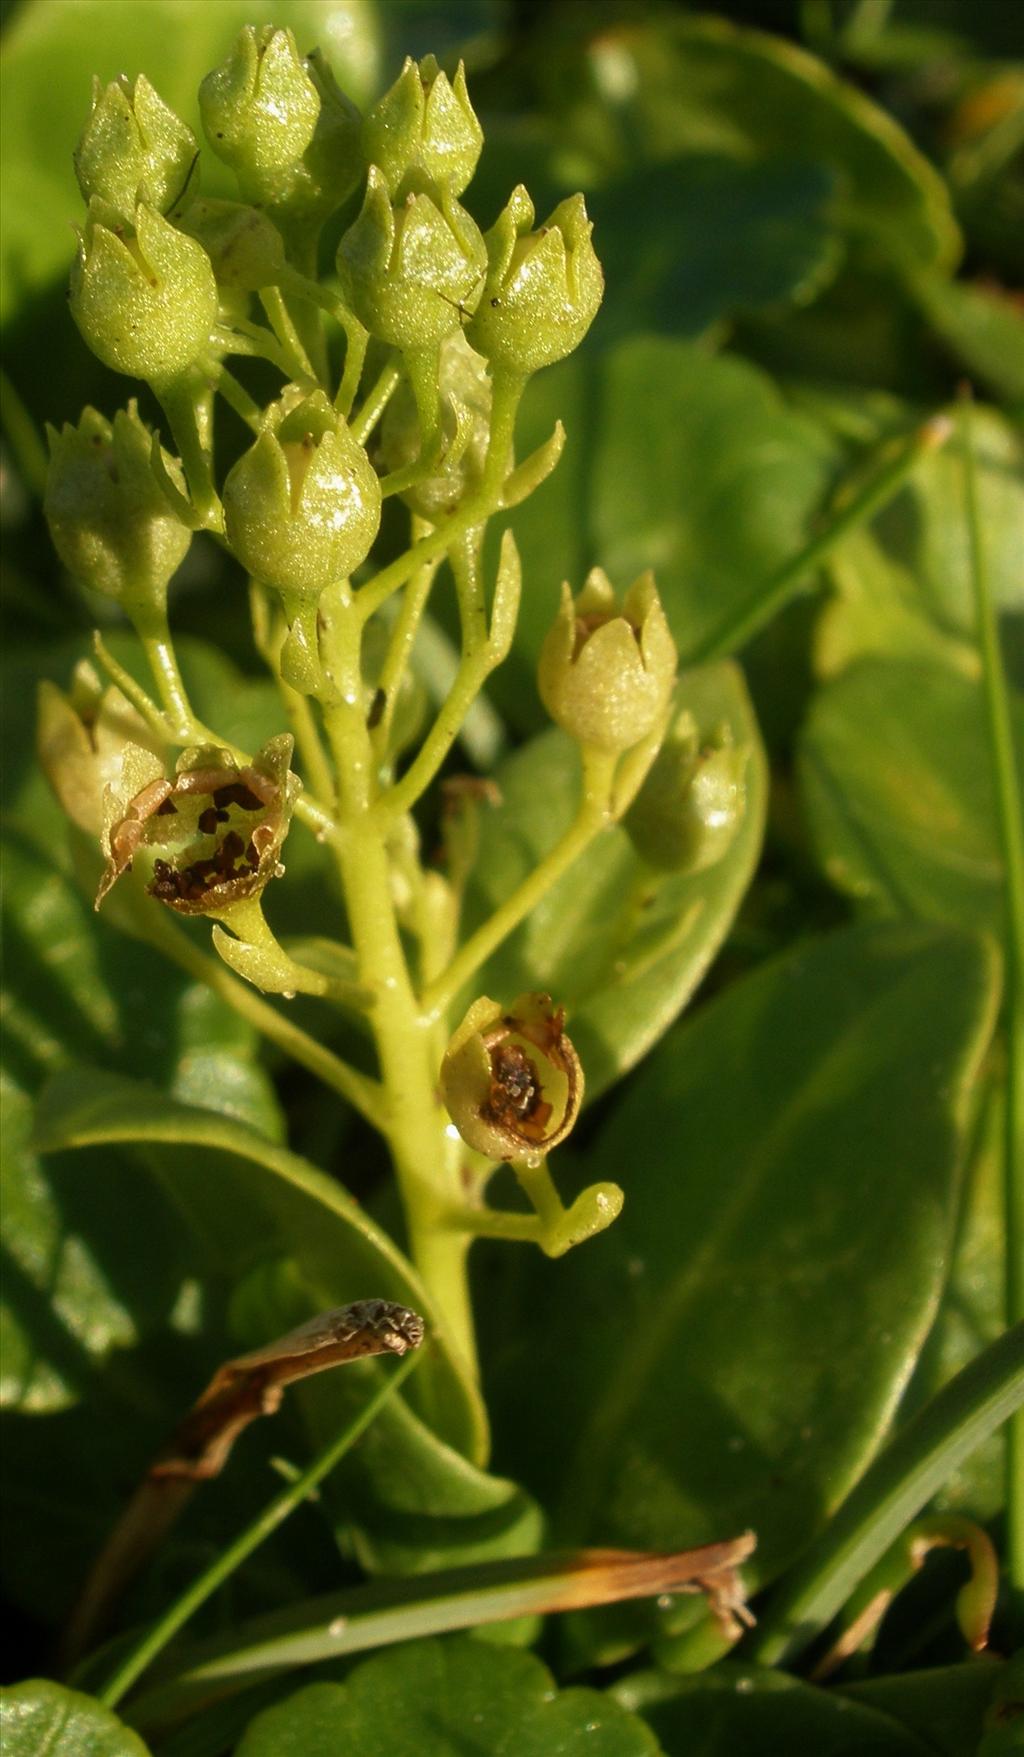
945, 1706
620, 946
753, 1713
898, 1483
248, 1200
772, 241
982, 328
40, 1717
902, 585
676, 459
455, 1698
897, 783
701, 85
790, 1159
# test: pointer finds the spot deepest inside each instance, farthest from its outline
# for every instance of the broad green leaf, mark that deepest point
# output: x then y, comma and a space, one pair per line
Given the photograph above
740, 1337
897, 782
945, 1706
250, 1200
912, 1467
973, 1310
676, 459
771, 241
903, 583
620, 946
50, 55
453, 1698
702, 85
982, 328
40, 1717
752, 1713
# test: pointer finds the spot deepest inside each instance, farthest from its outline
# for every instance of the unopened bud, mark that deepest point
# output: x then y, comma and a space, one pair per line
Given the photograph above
690, 807
409, 273
302, 505
142, 294
543, 288
111, 522
133, 148
423, 133
606, 675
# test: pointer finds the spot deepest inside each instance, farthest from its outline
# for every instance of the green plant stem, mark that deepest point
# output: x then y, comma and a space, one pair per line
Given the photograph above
268, 632
767, 599
1010, 814
154, 633
179, 399
377, 399
235, 395
357, 1089
283, 1503
400, 646
474, 511
912, 1468
475, 667
283, 326
415, 1122
594, 815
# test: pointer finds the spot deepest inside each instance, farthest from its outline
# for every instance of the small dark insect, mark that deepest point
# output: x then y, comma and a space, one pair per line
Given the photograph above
377, 706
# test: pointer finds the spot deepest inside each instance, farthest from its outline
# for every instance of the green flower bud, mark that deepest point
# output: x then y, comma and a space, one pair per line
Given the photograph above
245, 248
209, 836
302, 505
423, 133
543, 288
144, 300
259, 108
409, 272
510, 1078
111, 522
133, 148
690, 807
606, 676
465, 388
282, 124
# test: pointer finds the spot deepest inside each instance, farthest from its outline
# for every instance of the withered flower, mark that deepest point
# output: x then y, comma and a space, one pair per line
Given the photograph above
511, 1079
211, 833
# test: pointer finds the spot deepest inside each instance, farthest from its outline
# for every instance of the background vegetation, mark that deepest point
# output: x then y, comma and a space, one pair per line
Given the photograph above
812, 224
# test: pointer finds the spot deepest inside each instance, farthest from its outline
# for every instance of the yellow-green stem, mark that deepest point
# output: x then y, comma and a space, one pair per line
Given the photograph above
594, 814
415, 1123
